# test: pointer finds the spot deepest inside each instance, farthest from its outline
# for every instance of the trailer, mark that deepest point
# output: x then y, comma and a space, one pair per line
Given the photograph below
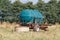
30, 18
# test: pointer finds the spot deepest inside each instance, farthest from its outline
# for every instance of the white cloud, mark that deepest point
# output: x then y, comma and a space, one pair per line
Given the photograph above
12, 1
46, 1
34, 1
25, 1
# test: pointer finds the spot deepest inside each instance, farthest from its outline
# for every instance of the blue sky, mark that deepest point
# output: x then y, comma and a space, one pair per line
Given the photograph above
34, 1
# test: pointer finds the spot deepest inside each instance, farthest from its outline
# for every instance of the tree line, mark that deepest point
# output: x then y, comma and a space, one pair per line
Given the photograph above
10, 11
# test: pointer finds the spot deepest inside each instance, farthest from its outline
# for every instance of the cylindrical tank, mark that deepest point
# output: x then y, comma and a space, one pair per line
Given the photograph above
28, 15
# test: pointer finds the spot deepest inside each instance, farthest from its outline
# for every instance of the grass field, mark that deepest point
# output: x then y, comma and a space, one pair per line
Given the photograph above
52, 34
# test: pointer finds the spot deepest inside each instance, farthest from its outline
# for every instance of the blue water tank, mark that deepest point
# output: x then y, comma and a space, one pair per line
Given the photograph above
28, 15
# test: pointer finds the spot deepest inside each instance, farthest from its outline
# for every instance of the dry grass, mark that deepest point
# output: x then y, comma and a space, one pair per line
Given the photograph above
52, 34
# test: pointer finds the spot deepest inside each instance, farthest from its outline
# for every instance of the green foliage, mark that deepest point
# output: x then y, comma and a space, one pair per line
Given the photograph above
5, 7
50, 10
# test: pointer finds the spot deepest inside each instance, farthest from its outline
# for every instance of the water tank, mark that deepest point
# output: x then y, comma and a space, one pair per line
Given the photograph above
28, 15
